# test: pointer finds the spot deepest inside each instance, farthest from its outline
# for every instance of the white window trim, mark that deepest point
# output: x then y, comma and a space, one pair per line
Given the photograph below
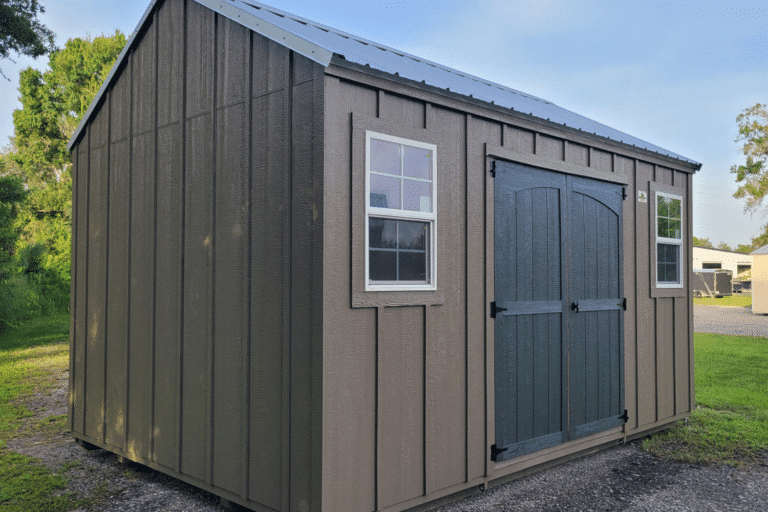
390, 213
669, 241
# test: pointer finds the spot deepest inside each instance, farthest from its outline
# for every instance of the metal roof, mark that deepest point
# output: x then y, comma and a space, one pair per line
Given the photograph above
326, 45
761, 250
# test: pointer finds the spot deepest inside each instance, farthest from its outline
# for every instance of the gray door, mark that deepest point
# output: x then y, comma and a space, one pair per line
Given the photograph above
558, 346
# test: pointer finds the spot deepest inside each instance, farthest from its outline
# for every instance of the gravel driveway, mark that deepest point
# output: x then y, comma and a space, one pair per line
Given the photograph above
620, 478
731, 320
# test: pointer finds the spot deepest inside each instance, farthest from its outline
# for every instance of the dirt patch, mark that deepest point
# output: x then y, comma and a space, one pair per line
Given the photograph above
621, 478
100, 475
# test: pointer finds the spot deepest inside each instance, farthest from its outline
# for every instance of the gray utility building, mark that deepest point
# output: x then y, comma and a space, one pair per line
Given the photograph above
311, 272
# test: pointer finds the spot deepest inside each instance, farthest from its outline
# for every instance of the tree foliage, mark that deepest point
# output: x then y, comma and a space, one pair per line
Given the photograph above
20, 30
753, 174
12, 194
53, 103
702, 242
38, 243
743, 248
724, 246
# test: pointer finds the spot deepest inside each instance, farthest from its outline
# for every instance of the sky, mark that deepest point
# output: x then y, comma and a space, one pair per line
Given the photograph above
674, 74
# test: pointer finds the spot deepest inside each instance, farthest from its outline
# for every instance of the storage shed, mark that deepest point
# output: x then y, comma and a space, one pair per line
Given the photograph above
760, 280
311, 272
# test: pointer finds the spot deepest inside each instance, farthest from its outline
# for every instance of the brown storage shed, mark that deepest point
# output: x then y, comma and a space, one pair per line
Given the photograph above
311, 272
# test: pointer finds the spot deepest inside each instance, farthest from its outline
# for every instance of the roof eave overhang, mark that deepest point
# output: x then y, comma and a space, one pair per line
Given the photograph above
306, 48
340, 61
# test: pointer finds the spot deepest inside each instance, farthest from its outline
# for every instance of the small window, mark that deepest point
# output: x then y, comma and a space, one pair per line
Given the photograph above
401, 210
669, 240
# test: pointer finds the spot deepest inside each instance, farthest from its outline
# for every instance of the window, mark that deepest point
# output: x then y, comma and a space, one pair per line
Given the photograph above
400, 191
669, 240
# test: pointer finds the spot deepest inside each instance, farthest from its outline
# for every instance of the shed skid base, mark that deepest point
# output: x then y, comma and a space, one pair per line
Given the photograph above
86, 445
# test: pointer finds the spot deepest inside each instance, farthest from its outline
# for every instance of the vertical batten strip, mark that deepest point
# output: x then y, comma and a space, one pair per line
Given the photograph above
288, 257
87, 252
153, 340
108, 102
246, 366
318, 188
427, 479
689, 223
212, 330
130, 269
465, 293
636, 298
183, 149
377, 344
73, 289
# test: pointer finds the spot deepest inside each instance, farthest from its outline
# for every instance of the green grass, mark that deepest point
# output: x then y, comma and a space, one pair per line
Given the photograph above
733, 300
730, 423
31, 357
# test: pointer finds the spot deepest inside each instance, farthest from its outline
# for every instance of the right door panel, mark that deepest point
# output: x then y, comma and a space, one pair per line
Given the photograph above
594, 336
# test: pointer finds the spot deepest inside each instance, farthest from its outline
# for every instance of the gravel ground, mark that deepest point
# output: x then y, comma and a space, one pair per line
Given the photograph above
621, 478
730, 320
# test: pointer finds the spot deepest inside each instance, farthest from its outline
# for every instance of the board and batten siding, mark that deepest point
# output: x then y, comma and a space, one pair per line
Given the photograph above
408, 389
197, 229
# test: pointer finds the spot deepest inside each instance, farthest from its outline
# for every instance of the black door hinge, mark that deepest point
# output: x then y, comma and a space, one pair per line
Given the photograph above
575, 307
495, 309
623, 303
493, 169
623, 193
624, 416
495, 451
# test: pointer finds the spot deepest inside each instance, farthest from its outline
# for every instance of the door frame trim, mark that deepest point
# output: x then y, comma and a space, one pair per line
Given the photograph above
549, 164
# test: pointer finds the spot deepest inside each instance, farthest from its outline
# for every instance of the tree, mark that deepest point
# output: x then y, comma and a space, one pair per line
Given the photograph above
753, 133
761, 239
21, 32
702, 242
724, 246
12, 194
746, 249
53, 102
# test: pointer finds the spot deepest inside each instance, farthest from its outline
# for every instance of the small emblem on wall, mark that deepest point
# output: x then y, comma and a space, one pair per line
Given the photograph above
642, 196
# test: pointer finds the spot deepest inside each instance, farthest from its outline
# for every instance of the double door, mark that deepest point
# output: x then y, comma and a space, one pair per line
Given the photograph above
559, 360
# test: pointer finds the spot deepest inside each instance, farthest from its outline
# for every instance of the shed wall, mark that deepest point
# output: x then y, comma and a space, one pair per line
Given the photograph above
195, 304
760, 284
408, 396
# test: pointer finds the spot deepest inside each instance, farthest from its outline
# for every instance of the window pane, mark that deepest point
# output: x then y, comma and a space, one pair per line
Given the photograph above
417, 196
674, 229
663, 208
672, 276
385, 157
382, 233
663, 228
668, 259
674, 208
385, 191
413, 266
417, 163
413, 235
383, 265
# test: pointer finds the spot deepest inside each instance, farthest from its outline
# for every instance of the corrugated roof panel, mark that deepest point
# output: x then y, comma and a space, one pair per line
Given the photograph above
319, 43
368, 53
